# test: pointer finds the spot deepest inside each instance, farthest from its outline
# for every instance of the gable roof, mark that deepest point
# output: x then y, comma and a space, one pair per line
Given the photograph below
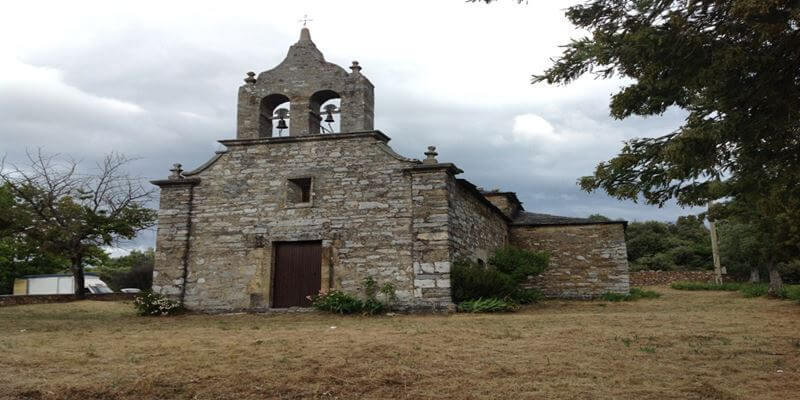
525, 218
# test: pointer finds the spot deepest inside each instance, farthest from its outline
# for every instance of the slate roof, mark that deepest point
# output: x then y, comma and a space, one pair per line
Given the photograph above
524, 218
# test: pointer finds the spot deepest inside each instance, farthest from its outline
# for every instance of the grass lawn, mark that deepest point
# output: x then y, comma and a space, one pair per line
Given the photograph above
684, 345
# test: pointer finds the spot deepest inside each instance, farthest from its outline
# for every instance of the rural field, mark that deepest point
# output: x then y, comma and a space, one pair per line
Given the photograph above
684, 345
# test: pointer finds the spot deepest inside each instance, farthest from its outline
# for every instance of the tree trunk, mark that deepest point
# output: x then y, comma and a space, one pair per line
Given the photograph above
754, 276
77, 275
775, 281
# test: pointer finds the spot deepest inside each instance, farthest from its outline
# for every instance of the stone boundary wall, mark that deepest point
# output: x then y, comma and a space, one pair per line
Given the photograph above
585, 260
663, 278
10, 300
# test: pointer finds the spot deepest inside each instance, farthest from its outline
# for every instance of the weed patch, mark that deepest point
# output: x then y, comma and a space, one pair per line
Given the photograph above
754, 289
747, 289
790, 292
727, 286
491, 304
634, 294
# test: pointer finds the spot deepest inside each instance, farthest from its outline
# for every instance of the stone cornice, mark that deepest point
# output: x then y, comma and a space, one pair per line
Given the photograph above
449, 167
306, 138
176, 182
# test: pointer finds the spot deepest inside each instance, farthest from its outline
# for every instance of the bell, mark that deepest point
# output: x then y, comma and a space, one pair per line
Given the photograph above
281, 124
329, 109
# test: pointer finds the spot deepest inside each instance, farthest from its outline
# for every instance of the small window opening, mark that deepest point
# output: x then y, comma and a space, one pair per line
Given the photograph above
299, 190
481, 262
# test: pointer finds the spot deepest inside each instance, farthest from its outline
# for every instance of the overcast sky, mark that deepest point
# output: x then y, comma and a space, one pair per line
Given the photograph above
158, 80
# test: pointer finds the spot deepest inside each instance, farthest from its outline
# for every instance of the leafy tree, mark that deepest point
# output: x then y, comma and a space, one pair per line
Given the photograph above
740, 249
71, 214
19, 256
134, 270
598, 218
683, 245
732, 65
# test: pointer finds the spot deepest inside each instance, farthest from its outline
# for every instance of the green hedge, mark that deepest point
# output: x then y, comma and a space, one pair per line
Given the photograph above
507, 269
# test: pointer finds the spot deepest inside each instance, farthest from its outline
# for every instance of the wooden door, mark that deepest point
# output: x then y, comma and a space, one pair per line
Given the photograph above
297, 273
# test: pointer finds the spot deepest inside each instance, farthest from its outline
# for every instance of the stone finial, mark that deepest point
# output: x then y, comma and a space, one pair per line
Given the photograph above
250, 77
430, 156
177, 172
305, 35
355, 67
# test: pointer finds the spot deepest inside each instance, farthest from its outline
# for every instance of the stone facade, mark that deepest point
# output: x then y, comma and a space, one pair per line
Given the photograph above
585, 260
372, 212
476, 228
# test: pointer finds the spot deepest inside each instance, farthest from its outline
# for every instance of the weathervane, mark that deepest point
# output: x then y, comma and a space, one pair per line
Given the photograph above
305, 20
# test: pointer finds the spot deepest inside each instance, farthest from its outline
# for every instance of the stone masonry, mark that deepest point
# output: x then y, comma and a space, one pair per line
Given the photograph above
585, 260
373, 212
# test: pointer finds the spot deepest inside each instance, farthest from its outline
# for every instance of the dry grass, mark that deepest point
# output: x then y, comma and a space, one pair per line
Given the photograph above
685, 345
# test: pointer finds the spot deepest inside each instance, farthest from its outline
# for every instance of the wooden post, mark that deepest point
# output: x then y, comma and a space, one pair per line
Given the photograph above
715, 250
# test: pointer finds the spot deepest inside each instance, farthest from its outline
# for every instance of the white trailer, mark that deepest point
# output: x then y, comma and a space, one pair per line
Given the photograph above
58, 284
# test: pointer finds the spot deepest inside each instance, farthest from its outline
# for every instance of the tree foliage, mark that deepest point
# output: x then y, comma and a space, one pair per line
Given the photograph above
69, 213
733, 66
134, 270
682, 245
740, 248
20, 256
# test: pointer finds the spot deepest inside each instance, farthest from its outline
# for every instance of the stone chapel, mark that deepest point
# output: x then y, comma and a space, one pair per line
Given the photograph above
310, 196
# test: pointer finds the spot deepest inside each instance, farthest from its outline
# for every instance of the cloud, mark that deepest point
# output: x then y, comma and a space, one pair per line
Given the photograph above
530, 128
31, 92
159, 81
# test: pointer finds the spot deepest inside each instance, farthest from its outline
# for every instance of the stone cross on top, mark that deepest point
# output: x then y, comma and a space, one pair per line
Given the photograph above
305, 20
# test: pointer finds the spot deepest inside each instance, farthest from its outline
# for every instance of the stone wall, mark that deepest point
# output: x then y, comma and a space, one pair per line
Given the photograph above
172, 236
476, 229
361, 211
11, 300
504, 201
655, 278
429, 194
585, 260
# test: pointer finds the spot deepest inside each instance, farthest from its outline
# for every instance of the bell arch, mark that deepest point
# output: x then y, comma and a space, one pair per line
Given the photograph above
267, 112
323, 104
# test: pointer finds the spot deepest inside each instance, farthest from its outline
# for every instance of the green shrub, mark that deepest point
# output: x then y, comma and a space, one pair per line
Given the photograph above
338, 302
471, 281
527, 296
507, 269
519, 263
633, 294
728, 286
373, 307
790, 292
491, 304
149, 303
